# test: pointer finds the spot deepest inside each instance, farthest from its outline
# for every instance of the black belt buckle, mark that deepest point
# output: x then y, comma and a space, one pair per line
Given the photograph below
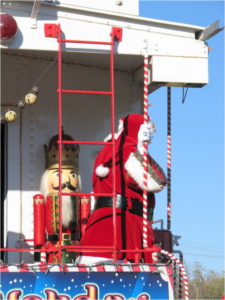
121, 202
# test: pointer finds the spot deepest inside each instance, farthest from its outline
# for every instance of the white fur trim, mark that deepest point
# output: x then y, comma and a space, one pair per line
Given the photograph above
108, 138
95, 260
87, 260
44, 183
135, 170
116, 134
102, 171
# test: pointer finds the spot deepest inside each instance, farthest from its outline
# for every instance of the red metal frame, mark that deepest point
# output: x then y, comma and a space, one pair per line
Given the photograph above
52, 30
59, 40
85, 92
113, 140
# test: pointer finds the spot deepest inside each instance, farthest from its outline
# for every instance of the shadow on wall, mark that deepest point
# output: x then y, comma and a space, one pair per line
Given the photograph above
17, 241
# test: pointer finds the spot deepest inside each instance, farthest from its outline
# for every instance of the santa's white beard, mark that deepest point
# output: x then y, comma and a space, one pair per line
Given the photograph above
67, 211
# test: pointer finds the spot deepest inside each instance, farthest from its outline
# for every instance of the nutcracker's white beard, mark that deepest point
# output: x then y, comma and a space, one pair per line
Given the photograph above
67, 210
67, 207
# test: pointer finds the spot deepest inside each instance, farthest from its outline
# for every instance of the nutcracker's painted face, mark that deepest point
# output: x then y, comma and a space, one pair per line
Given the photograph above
70, 180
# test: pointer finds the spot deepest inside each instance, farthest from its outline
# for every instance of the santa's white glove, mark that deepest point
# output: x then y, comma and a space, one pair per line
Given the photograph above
144, 136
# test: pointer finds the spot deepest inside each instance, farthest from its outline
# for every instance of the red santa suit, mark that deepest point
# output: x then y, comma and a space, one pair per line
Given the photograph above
129, 190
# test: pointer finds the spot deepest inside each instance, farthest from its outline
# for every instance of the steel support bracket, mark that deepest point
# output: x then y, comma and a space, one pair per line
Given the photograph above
209, 31
34, 13
116, 33
52, 30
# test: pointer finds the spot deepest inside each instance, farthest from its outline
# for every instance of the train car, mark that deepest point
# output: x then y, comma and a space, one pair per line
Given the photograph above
70, 72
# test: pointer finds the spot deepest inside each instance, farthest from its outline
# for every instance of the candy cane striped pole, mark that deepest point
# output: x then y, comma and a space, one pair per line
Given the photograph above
43, 257
169, 158
145, 157
183, 286
174, 277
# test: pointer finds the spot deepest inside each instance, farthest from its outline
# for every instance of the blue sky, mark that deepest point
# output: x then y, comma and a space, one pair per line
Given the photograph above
197, 142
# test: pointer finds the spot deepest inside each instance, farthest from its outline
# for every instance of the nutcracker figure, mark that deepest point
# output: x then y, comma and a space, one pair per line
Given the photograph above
46, 205
129, 148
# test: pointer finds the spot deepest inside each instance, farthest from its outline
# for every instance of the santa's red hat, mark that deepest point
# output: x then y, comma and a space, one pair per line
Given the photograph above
100, 169
129, 134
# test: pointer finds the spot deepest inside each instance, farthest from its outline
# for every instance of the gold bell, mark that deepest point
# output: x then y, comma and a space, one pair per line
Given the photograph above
30, 98
10, 116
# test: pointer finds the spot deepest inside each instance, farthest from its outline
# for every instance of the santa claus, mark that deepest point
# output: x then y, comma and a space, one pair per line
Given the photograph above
129, 149
49, 187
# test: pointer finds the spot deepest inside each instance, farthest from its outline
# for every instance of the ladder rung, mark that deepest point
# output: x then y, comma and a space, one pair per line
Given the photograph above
86, 42
86, 142
85, 92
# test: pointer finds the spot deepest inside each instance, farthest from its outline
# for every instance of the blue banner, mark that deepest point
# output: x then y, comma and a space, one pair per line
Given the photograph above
83, 285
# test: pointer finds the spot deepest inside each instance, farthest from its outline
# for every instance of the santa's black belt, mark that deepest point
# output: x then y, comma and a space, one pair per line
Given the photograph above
121, 202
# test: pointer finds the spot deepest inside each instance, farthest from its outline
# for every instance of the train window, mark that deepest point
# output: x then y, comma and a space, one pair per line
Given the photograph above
4, 183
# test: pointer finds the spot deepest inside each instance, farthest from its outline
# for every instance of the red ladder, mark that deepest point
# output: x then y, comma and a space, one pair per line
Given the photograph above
54, 31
